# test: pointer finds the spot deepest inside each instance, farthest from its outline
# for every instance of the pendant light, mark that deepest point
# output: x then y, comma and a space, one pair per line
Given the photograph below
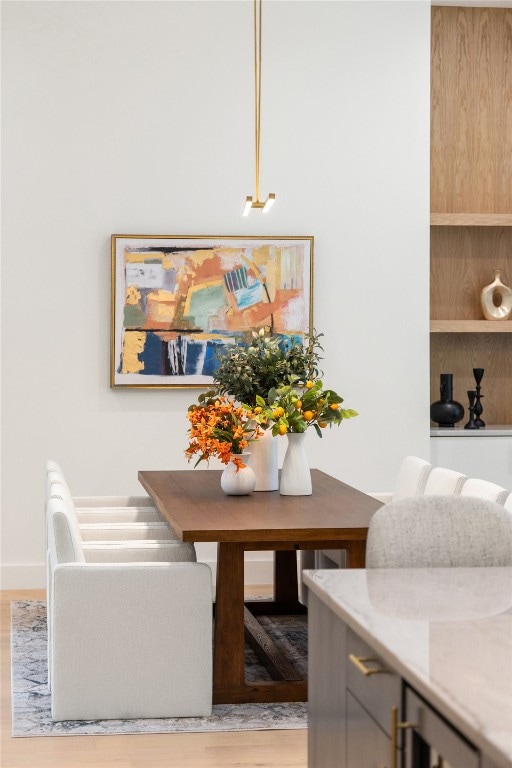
250, 201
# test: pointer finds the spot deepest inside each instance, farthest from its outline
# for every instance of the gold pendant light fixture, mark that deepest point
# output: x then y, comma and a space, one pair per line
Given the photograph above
255, 202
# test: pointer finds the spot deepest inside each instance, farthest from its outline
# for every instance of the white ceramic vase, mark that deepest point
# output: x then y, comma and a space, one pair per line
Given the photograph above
264, 461
238, 482
504, 309
295, 474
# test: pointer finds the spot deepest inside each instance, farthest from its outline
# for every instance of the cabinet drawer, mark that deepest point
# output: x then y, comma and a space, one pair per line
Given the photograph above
367, 745
377, 691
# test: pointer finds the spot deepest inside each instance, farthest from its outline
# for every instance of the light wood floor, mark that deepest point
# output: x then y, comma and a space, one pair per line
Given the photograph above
265, 749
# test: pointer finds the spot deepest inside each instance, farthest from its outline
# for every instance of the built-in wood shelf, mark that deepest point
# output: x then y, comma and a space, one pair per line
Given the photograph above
470, 158
471, 326
471, 219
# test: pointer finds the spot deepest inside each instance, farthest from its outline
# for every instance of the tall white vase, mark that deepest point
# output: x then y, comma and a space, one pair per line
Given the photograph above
238, 482
295, 474
264, 461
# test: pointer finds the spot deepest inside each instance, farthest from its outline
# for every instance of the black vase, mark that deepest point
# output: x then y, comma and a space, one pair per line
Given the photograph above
446, 412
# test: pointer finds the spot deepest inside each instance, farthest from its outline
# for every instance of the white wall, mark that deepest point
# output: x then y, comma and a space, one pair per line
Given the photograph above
136, 117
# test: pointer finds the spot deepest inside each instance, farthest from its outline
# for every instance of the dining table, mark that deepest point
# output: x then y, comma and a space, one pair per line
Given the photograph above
334, 516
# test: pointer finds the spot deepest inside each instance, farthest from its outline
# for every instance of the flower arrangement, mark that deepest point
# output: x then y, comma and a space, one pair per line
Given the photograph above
293, 409
265, 383
218, 427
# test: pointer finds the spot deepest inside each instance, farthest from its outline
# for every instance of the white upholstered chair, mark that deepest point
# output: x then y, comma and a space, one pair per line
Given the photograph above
129, 639
111, 523
97, 509
508, 502
483, 489
110, 517
443, 482
439, 532
111, 534
411, 480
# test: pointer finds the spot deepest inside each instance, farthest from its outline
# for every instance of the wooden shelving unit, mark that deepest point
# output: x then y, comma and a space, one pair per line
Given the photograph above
471, 201
470, 326
471, 219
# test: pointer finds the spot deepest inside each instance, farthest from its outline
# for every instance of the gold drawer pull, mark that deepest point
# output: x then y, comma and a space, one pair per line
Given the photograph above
395, 727
359, 663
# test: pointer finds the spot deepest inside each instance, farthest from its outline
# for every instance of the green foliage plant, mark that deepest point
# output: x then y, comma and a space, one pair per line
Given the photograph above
265, 362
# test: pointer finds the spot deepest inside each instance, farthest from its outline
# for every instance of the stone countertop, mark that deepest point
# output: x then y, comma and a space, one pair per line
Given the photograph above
446, 631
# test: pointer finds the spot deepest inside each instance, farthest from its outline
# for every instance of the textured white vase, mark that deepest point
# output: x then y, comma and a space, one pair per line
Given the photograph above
265, 462
295, 474
496, 288
238, 482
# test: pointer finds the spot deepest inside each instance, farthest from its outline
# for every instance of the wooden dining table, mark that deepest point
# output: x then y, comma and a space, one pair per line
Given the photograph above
335, 516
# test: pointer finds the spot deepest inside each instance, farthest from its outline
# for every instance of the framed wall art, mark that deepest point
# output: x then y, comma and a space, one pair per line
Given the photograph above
177, 300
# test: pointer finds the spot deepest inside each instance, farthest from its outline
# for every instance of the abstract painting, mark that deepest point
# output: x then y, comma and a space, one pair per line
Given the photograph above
177, 301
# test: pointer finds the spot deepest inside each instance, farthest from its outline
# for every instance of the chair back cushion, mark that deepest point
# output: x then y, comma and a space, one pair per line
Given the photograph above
508, 502
52, 466
439, 532
412, 477
484, 489
64, 540
54, 474
443, 481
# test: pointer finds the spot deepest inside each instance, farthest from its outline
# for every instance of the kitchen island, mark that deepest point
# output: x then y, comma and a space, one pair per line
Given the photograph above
410, 668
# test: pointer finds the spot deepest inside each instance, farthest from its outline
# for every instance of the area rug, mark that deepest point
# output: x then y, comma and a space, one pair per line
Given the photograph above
31, 714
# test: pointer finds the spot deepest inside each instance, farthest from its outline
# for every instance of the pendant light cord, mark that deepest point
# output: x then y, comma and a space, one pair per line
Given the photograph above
250, 201
257, 88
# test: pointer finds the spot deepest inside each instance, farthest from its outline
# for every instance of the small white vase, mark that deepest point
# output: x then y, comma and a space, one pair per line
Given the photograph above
264, 461
504, 310
238, 482
295, 474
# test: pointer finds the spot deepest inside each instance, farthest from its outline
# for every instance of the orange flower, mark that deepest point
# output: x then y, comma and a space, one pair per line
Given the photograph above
219, 428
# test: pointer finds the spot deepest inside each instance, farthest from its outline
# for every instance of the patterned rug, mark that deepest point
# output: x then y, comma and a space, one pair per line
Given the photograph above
31, 713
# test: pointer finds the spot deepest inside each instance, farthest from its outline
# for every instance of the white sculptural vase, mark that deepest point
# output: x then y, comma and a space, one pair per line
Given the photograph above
491, 310
295, 474
238, 482
264, 462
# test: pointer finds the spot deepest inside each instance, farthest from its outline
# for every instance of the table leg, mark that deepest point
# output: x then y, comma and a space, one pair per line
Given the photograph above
229, 684
285, 576
228, 646
285, 601
356, 551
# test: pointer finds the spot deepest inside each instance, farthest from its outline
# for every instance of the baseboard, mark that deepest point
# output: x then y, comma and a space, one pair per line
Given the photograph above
258, 570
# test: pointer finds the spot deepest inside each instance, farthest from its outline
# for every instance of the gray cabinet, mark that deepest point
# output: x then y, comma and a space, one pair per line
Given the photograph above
352, 695
326, 687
